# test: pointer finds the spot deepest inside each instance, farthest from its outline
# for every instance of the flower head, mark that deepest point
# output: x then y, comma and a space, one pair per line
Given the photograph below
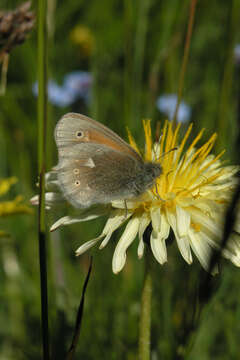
15, 26
190, 198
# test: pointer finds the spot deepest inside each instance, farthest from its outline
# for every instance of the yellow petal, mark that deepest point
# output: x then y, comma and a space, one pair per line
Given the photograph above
158, 247
183, 221
144, 222
183, 241
87, 245
129, 234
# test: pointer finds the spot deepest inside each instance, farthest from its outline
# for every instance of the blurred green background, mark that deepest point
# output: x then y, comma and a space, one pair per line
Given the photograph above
133, 51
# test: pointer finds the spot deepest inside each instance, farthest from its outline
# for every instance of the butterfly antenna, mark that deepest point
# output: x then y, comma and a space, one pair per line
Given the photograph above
155, 154
167, 152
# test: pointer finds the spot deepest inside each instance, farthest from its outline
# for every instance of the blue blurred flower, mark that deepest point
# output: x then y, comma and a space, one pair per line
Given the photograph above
79, 83
57, 95
76, 85
236, 54
167, 105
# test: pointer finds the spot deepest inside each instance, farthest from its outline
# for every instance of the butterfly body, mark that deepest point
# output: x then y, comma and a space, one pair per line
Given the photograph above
96, 165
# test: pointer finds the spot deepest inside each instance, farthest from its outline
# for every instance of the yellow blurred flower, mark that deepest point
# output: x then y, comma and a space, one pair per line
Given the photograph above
83, 37
5, 184
11, 207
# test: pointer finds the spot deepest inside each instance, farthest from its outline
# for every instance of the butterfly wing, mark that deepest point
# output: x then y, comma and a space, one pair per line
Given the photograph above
91, 173
75, 128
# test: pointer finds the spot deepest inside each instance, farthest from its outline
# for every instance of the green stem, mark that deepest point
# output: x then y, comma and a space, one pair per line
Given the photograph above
185, 57
224, 124
138, 59
42, 126
128, 24
144, 348
3, 84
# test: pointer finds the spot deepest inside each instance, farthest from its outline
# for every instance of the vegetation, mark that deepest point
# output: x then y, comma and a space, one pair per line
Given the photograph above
133, 51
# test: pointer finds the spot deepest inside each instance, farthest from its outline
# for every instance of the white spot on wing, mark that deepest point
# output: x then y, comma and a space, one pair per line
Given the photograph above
89, 163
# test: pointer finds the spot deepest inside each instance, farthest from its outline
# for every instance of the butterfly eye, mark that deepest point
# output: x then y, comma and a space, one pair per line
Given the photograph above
77, 182
79, 134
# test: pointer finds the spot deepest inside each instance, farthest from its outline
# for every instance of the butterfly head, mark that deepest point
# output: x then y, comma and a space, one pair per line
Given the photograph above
152, 171
146, 177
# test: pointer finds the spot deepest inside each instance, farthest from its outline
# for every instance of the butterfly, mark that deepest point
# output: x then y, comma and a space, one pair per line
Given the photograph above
96, 166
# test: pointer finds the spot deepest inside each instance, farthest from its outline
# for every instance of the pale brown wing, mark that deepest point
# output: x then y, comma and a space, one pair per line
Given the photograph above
75, 128
91, 173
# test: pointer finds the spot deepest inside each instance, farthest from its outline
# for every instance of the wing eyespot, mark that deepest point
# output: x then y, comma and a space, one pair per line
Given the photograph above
76, 171
77, 183
79, 134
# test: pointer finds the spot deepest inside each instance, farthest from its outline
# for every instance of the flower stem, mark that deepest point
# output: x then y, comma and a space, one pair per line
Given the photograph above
145, 314
228, 78
3, 84
42, 126
143, 7
193, 5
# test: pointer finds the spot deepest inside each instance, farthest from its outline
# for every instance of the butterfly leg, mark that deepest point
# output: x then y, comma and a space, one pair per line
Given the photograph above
157, 193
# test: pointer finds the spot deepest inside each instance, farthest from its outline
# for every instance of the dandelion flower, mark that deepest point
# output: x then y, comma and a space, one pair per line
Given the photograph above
190, 198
